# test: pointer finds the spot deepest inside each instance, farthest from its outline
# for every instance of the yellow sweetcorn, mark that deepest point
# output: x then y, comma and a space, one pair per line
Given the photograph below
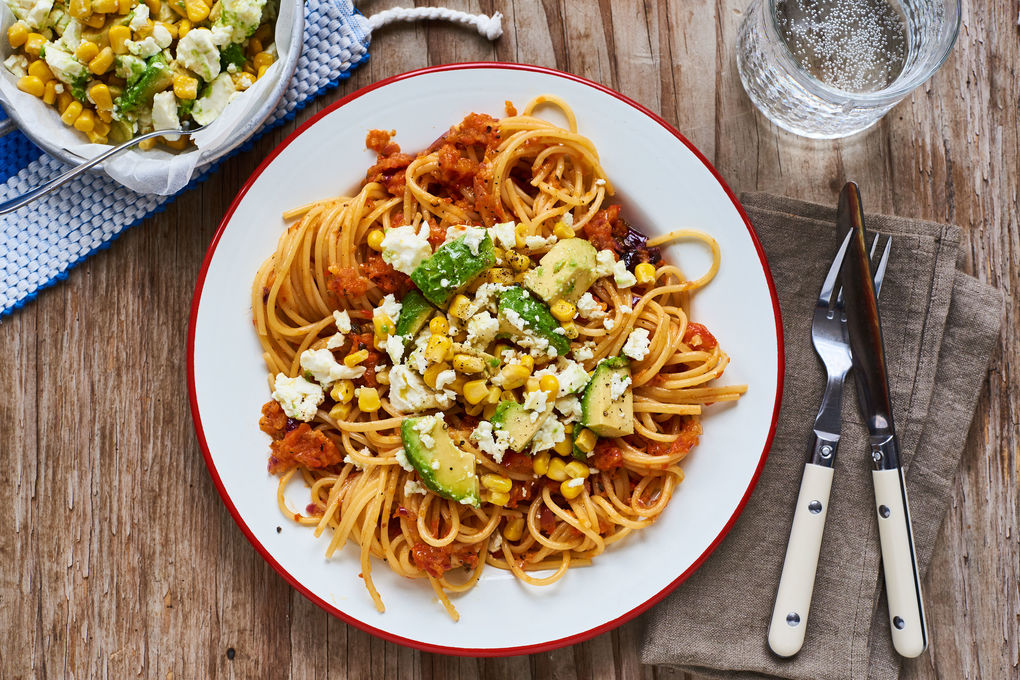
368, 399
494, 396
34, 43
466, 363
32, 85
528, 362
474, 409
85, 121
262, 59
50, 93
475, 391
494, 482
102, 62
557, 470
183, 26
375, 239
105, 6
460, 307
577, 470
95, 21
645, 273
514, 376
570, 330
499, 498
40, 70
549, 383
383, 326
519, 262
17, 34
586, 440
514, 529
571, 488
564, 448
197, 10
540, 463
489, 411
500, 275
437, 347
432, 373
521, 233
355, 358
439, 325
532, 385
185, 87
339, 411
80, 9
100, 95
87, 50
118, 36
342, 391
70, 114
563, 311
562, 230
64, 100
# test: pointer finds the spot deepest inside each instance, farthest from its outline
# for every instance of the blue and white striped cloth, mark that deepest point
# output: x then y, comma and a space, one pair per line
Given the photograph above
41, 242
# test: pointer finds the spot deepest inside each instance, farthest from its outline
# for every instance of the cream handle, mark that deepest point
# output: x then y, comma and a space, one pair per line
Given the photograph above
899, 563
793, 599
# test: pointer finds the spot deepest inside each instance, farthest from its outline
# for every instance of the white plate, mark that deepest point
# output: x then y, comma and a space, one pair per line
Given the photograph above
664, 184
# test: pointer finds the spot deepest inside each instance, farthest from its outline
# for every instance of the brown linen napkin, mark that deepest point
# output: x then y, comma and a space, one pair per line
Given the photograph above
940, 327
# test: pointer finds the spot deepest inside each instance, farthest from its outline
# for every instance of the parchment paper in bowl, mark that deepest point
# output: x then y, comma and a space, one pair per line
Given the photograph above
155, 171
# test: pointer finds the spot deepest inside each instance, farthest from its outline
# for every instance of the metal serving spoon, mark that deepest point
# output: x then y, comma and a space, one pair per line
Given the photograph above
40, 191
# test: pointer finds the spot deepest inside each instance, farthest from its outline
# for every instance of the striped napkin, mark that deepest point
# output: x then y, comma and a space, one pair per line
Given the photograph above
41, 242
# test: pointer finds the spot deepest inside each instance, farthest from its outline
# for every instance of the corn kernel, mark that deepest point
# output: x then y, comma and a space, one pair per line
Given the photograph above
458, 384
105, 115
262, 59
498, 254
118, 35
50, 93
460, 307
34, 43
514, 529
494, 396
86, 51
95, 21
568, 428
645, 273
475, 391
342, 391
550, 384
64, 100
465, 363
439, 325
254, 46
532, 385
570, 330
170, 28
123, 6
586, 440
154, 6
197, 10
437, 347
528, 362
557, 470
100, 94
70, 114
494, 482
339, 411
519, 262
540, 463
514, 376
572, 488
519, 277
102, 62
17, 34
500, 275
499, 498
40, 70
147, 144
520, 234
183, 26
32, 85
433, 371
104, 6
96, 137
85, 121
508, 396
145, 30
577, 469
563, 311
375, 239
262, 71
185, 87
368, 399
383, 325
355, 358
565, 447
80, 9
562, 230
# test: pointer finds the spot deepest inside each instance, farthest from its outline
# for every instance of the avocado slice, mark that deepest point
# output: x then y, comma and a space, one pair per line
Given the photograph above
535, 315
451, 268
603, 415
444, 469
517, 422
565, 272
415, 311
156, 77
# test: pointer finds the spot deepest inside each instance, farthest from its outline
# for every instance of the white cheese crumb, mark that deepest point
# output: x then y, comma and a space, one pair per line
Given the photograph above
343, 321
445, 378
623, 277
608, 323
605, 260
482, 329
504, 235
549, 435
325, 369
589, 308
600, 182
536, 242
576, 482
583, 353
491, 441
404, 249
473, 237
395, 348
618, 386
637, 344
401, 457
388, 306
298, 397
570, 407
535, 402
412, 486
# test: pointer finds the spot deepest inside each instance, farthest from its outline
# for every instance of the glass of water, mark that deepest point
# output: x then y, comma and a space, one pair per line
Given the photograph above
831, 68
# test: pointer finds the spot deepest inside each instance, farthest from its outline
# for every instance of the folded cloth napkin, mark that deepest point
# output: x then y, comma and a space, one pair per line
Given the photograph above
940, 327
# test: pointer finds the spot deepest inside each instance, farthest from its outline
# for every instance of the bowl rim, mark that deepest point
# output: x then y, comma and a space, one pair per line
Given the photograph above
368, 628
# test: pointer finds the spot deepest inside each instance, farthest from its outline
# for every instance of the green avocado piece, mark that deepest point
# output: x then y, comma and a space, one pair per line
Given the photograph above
518, 423
603, 415
444, 469
451, 268
415, 311
565, 272
516, 302
156, 77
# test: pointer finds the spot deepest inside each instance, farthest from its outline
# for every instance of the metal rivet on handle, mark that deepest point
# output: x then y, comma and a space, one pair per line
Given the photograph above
884, 511
815, 507
826, 451
898, 622
793, 618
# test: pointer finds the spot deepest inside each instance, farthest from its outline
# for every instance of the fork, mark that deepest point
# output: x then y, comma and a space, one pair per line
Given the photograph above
832, 344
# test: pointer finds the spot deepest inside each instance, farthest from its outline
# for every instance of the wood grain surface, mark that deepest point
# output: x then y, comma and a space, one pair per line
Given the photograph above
119, 559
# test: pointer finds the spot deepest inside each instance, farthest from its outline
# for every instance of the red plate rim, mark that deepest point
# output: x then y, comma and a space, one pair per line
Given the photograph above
467, 651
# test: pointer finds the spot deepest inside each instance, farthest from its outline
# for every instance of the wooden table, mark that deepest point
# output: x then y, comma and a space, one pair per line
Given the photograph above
119, 559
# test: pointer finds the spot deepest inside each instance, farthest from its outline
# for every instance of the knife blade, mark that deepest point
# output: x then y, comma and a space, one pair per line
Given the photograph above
899, 559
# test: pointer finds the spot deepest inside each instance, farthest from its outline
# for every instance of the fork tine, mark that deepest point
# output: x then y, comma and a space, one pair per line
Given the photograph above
825, 296
883, 263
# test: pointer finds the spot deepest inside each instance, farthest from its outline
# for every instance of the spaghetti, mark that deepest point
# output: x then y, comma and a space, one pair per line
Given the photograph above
325, 307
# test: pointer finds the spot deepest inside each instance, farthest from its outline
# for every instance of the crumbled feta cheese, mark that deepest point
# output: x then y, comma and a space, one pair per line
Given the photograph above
198, 52
608, 323
473, 236
143, 48
445, 378
589, 308
343, 321
491, 441
388, 306
623, 277
401, 457
412, 486
64, 66
221, 35
626, 309
409, 394
424, 428
241, 16
605, 260
164, 113
536, 242
482, 329
487, 297
568, 218
535, 402
298, 397
38, 16
335, 340
404, 249
70, 39
209, 106
559, 330
17, 64
496, 542
139, 17
504, 235
583, 353
576, 482
514, 319
637, 344
617, 386
549, 435
570, 407
572, 377
395, 348
325, 369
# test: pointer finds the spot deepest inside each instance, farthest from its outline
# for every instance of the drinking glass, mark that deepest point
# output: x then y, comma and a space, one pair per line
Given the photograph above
832, 68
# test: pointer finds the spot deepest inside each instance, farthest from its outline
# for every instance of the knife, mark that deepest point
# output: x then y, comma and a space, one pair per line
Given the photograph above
899, 559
